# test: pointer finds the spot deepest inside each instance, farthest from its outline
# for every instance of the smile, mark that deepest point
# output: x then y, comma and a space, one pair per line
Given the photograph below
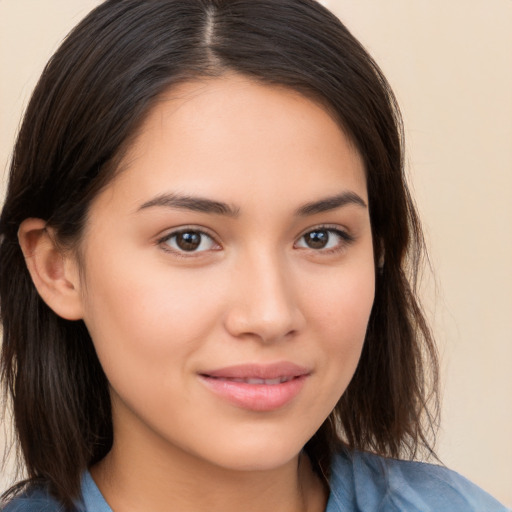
266, 382
259, 388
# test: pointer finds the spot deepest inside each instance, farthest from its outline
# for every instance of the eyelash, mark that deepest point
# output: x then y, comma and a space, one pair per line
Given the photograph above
345, 240
163, 242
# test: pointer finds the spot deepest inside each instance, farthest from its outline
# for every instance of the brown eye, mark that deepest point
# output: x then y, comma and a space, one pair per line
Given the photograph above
324, 239
189, 241
317, 239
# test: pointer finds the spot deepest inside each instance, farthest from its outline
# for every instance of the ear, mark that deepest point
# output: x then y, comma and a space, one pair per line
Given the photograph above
53, 271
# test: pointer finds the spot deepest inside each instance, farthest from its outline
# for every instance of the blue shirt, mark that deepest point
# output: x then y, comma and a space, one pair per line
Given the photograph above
360, 482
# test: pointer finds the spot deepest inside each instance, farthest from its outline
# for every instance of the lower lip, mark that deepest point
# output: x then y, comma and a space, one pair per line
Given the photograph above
256, 397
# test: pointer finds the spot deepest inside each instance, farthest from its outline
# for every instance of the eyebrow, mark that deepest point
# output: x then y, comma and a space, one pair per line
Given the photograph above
196, 204
204, 205
330, 203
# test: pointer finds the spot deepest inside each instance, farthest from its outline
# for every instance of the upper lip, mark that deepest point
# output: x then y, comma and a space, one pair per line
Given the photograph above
259, 371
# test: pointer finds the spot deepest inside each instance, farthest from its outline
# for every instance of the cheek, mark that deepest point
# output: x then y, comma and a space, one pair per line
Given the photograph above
342, 302
145, 322
340, 308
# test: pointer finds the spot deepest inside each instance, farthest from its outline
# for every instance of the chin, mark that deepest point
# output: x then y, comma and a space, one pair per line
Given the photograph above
257, 461
257, 453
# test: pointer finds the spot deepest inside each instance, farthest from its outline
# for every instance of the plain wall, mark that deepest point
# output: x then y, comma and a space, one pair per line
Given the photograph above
450, 65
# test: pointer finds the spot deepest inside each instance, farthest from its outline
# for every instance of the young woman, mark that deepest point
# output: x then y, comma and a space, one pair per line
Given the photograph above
208, 260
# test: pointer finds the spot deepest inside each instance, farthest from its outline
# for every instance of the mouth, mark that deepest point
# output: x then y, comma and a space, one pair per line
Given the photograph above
257, 387
254, 380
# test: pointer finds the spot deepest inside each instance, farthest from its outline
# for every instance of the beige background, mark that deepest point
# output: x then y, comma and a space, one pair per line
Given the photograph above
450, 64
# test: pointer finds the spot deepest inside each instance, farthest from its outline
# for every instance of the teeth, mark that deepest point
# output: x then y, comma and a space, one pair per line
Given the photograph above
256, 381
273, 381
268, 382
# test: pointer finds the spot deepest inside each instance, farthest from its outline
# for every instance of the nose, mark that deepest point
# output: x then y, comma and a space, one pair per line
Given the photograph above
264, 300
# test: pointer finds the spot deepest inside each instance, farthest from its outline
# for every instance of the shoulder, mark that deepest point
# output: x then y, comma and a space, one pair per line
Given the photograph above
369, 483
35, 499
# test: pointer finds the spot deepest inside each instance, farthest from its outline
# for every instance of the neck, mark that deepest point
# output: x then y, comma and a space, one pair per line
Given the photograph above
137, 476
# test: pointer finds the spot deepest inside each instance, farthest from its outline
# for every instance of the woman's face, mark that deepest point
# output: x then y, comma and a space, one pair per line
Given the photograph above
229, 275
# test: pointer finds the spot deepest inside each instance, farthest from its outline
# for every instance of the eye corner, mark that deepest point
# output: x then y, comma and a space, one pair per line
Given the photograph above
325, 239
188, 241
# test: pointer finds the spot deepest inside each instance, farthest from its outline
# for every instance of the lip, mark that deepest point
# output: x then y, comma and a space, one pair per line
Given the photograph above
257, 387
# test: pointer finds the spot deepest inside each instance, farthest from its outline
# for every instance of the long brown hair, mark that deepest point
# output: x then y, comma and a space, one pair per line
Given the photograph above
87, 106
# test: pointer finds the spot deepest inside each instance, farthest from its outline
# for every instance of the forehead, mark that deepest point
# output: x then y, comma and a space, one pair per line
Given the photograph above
229, 136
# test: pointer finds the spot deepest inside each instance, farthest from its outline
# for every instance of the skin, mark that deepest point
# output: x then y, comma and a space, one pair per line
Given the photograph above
255, 291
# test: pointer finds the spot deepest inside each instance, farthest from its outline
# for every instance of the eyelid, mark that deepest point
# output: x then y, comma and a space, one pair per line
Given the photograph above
342, 231
344, 234
162, 239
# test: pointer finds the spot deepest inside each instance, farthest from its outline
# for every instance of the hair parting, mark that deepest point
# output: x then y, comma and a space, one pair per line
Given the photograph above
86, 110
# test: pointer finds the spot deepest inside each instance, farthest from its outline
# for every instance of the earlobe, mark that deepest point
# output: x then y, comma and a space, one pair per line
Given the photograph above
54, 272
